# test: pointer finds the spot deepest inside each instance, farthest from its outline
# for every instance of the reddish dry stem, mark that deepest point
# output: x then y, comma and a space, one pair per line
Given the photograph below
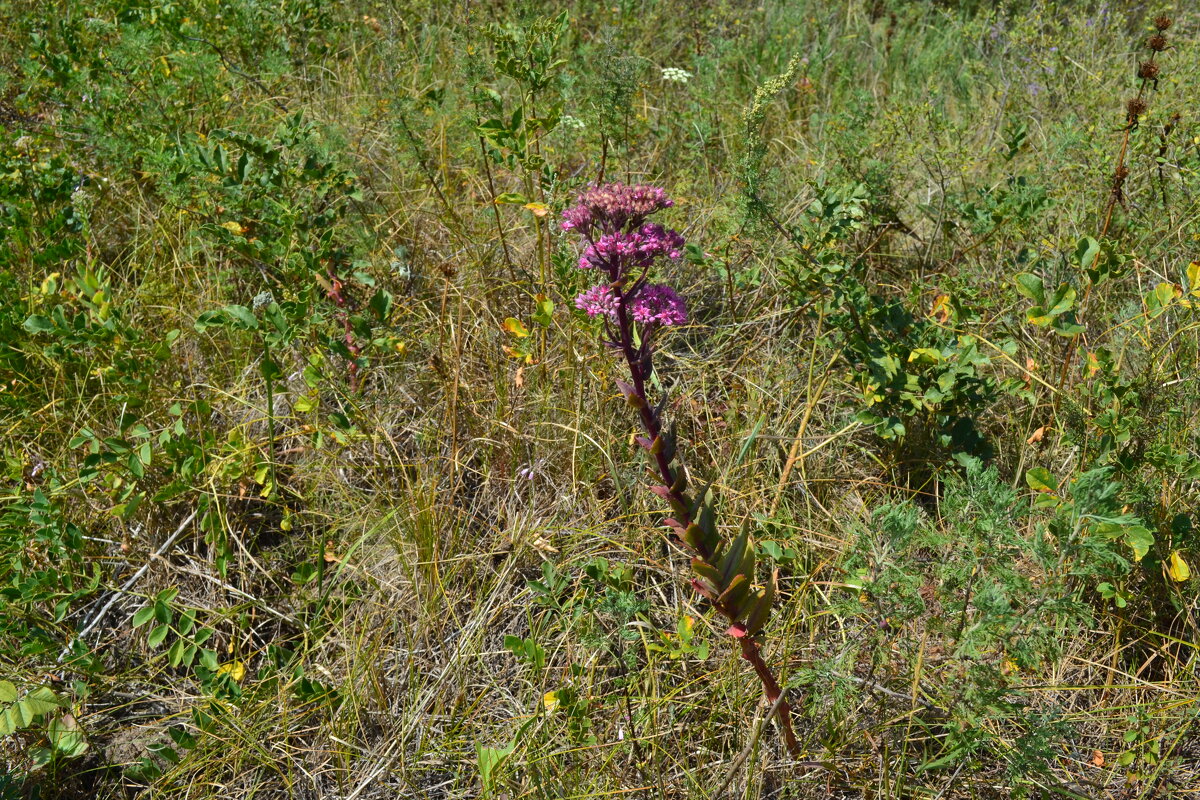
653, 426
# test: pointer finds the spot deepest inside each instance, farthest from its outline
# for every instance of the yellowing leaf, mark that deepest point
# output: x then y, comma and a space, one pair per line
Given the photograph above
925, 355
538, 209
1166, 292
233, 227
941, 308
551, 702
234, 669
1178, 569
518, 353
515, 327
1140, 539
1040, 480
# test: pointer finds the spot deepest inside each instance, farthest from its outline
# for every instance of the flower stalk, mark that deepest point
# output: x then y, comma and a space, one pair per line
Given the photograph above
624, 248
1136, 107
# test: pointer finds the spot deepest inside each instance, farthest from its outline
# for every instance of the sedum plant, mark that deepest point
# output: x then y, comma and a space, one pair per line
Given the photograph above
623, 249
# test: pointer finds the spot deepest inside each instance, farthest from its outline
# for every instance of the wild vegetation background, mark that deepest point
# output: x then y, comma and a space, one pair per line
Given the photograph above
316, 484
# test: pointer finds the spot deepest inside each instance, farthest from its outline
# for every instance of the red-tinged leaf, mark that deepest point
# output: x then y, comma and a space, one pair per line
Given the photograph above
675, 527
644, 442
702, 588
662, 491
736, 630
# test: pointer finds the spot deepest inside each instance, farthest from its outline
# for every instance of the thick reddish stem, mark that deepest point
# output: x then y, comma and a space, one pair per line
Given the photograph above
653, 426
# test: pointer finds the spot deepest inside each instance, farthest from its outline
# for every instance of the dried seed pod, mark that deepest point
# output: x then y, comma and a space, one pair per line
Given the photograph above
1162, 22
1157, 43
1148, 71
1135, 108
1119, 178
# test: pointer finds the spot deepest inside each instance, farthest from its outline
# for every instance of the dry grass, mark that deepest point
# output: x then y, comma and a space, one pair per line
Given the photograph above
465, 470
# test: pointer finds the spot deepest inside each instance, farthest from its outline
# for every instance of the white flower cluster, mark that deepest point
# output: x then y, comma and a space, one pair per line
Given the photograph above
571, 123
676, 75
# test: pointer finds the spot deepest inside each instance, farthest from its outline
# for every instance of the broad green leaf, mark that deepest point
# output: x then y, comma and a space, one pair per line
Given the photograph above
15, 718
209, 319
1063, 300
1040, 480
544, 314
157, 635
66, 737
8, 692
381, 304
1030, 286
1086, 252
38, 324
489, 759
1064, 328
40, 701
143, 616
242, 317
925, 355
512, 198
175, 652
1140, 539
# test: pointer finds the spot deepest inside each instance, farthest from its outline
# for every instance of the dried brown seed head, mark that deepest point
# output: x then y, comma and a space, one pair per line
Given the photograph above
1157, 43
1135, 108
1148, 71
1162, 22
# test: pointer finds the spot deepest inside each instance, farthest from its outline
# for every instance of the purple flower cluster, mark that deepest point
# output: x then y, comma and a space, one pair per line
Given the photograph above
598, 300
617, 252
654, 304
612, 207
658, 304
619, 242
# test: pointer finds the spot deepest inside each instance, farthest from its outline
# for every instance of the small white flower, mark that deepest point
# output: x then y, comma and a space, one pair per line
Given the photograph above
676, 75
573, 123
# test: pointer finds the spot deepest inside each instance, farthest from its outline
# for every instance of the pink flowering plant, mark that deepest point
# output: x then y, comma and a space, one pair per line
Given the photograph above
623, 249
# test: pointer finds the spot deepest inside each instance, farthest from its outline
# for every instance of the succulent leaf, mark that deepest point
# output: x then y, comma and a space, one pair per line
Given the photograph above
757, 618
